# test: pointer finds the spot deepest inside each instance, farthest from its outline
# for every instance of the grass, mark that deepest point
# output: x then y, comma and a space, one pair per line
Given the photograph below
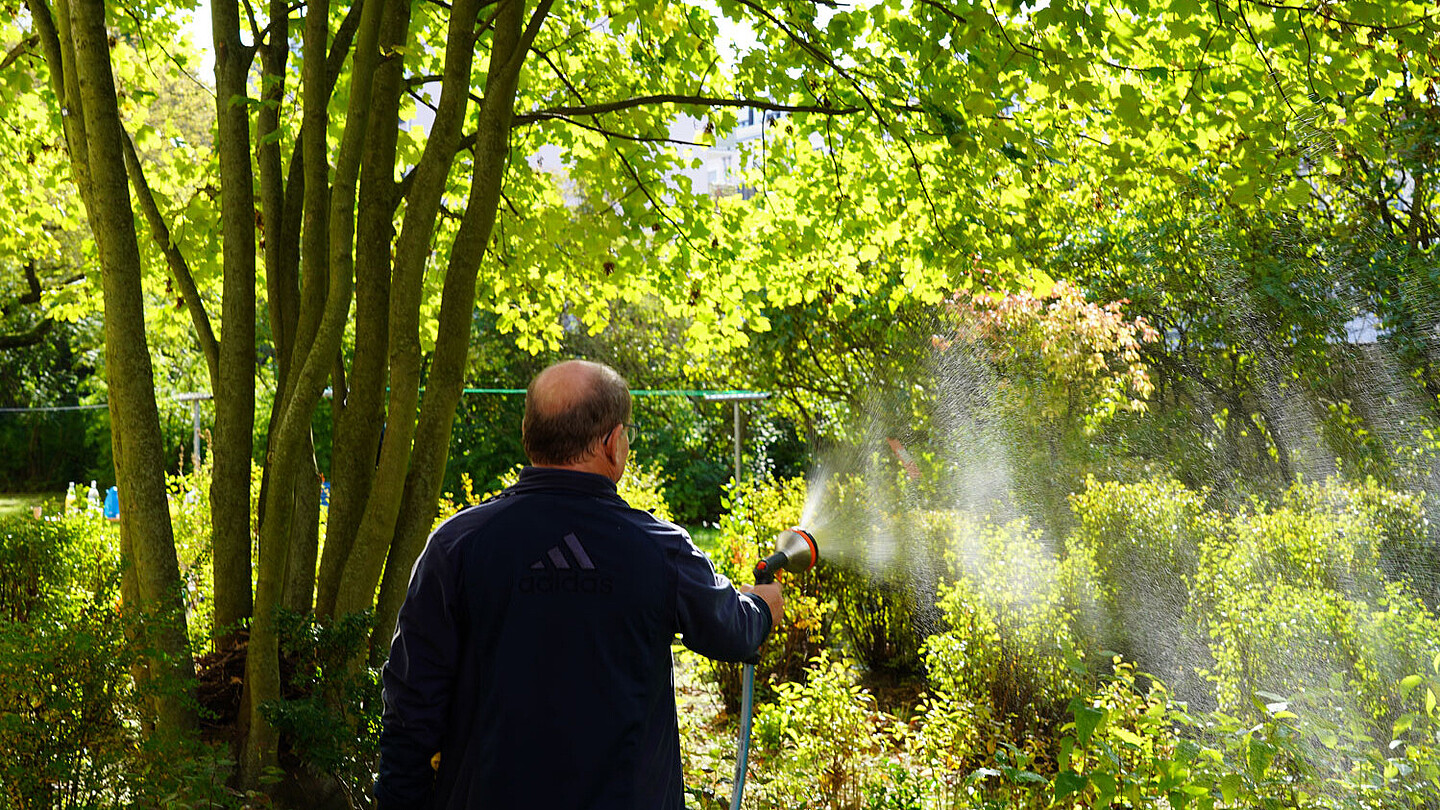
706, 537
20, 503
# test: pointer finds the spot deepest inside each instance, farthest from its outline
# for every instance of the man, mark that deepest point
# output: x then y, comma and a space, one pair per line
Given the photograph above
533, 649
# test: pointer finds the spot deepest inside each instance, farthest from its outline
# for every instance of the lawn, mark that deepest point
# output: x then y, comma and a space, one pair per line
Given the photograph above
15, 503
706, 537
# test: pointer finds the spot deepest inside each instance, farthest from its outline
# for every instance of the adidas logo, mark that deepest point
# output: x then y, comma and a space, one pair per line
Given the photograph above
557, 572
556, 558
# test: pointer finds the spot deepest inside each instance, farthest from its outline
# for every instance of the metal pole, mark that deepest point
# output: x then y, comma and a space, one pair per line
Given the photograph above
736, 403
194, 398
735, 398
195, 419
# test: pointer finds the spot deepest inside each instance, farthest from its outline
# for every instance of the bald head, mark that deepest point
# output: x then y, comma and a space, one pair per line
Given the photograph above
569, 407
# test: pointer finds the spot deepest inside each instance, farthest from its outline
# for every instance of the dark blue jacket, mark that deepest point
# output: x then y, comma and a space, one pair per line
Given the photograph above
533, 653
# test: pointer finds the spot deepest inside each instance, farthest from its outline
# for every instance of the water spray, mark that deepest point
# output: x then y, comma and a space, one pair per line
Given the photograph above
796, 552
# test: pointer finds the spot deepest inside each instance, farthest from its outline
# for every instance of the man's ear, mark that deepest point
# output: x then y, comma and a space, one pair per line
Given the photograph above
611, 445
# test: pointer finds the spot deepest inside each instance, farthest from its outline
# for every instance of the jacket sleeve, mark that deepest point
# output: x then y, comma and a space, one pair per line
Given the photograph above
716, 620
418, 679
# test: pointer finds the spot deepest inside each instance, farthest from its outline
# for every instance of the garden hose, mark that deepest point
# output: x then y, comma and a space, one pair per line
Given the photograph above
742, 756
796, 552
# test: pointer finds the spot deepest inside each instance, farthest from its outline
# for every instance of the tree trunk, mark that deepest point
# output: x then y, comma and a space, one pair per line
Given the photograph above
304, 542
135, 421
314, 354
235, 392
446, 381
360, 411
361, 573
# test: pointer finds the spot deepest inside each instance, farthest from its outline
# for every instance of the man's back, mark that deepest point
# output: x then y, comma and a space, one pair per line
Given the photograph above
533, 652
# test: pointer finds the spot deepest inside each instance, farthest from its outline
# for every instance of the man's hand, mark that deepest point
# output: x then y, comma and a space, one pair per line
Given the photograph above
773, 599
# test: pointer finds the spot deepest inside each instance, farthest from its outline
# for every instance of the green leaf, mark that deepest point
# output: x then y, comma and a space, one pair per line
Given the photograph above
1402, 725
1068, 782
1127, 736
1408, 684
1230, 787
1259, 757
1104, 786
1086, 721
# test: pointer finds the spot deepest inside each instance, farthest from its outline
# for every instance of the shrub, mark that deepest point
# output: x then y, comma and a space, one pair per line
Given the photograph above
641, 487
1295, 596
189, 501
1138, 546
73, 727
1132, 744
65, 708
1407, 550
330, 715
816, 739
1008, 629
884, 569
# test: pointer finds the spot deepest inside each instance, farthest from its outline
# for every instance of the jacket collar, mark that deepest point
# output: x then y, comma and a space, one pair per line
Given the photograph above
539, 479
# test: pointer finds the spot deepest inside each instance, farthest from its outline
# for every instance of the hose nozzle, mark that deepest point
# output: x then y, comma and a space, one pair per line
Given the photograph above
795, 551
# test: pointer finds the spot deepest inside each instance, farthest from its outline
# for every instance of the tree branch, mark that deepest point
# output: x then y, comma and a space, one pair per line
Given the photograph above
423, 101
1322, 10
567, 115
682, 99
255, 32
340, 45
32, 296
421, 81
179, 268
944, 9
140, 27
1034, 51
21, 48
819, 56
1274, 77
530, 119
660, 209
30, 338
532, 29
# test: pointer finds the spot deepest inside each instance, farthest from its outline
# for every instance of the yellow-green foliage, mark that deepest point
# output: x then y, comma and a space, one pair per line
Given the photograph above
641, 487
1295, 600
1126, 532
1009, 627
815, 739
1129, 568
755, 512
889, 563
189, 499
